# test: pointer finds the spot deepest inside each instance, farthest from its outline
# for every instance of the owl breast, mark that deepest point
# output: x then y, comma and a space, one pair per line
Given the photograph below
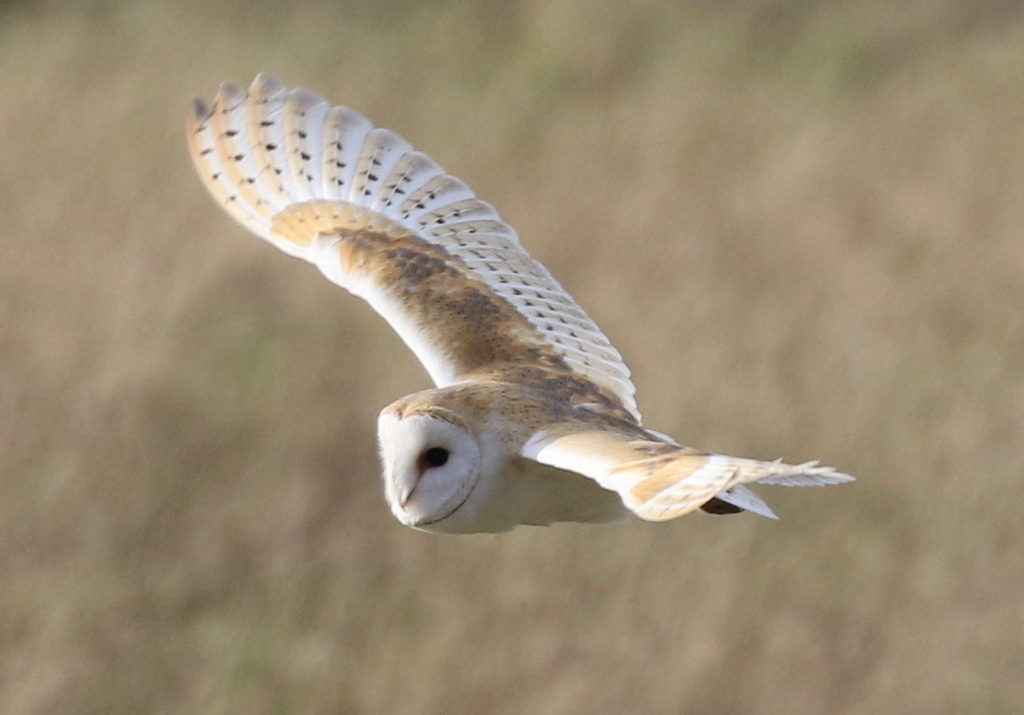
519, 491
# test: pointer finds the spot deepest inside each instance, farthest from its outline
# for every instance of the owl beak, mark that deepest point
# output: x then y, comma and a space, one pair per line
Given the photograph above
405, 493
406, 480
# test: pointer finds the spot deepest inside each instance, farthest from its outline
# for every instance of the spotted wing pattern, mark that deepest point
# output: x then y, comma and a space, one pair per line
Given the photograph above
387, 223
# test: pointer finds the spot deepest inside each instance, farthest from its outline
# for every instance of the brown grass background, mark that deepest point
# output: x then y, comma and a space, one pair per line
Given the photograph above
800, 221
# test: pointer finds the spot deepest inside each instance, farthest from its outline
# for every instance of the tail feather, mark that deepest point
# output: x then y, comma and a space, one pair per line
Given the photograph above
745, 499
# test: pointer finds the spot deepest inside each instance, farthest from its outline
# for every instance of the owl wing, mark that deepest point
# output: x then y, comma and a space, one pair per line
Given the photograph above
389, 225
659, 481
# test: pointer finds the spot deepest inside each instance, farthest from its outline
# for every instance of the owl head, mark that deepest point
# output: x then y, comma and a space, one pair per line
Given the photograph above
431, 461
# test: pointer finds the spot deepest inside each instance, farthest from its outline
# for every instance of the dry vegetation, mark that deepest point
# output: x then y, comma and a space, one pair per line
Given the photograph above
800, 221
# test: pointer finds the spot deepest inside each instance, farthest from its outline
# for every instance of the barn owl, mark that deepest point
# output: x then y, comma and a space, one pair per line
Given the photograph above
533, 419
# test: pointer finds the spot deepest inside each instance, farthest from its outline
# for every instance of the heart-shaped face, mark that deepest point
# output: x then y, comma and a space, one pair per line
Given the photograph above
431, 463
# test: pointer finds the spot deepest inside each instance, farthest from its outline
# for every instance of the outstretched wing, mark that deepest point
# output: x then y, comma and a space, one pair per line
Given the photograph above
659, 481
388, 224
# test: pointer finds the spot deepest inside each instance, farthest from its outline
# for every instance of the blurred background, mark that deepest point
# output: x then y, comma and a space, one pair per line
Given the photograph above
800, 221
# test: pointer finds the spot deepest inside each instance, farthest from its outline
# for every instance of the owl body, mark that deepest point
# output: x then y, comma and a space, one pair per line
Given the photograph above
484, 483
533, 419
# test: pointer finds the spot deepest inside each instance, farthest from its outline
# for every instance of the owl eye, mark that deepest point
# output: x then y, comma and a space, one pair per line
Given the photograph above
436, 456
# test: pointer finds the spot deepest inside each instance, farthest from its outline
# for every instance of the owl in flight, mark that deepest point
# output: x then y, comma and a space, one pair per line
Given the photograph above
533, 420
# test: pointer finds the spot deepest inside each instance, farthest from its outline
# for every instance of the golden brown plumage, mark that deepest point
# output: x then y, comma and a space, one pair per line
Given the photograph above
534, 418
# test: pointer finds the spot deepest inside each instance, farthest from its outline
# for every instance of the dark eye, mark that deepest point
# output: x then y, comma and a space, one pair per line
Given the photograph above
436, 456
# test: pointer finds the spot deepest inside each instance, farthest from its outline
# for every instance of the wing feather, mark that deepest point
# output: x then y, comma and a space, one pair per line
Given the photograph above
302, 120
387, 223
382, 150
345, 131
658, 480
